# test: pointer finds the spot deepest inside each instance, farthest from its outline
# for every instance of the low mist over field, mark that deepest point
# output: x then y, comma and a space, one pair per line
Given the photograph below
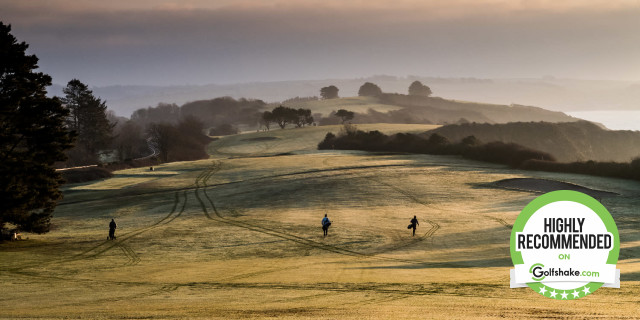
569, 56
549, 93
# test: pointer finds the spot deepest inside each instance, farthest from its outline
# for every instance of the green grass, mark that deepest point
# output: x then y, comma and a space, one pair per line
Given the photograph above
296, 139
238, 236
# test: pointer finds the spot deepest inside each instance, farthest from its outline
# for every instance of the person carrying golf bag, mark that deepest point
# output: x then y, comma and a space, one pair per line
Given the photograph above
112, 229
414, 224
325, 225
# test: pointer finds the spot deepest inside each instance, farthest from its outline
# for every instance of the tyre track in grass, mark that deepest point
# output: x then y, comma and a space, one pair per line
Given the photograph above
218, 217
419, 201
106, 245
192, 187
498, 220
169, 287
434, 225
129, 253
125, 235
431, 231
253, 227
132, 258
109, 244
270, 231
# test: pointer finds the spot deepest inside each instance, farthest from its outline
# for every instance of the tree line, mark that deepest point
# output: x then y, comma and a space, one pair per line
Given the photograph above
38, 133
282, 116
369, 89
470, 147
511, 154
33, 136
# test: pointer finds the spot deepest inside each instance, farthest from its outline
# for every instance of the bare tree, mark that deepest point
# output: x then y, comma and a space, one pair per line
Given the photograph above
162, 137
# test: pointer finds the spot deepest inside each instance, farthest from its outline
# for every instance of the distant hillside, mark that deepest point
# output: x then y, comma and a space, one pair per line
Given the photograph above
571, 141
400, 108
451, 111
550, 93
355, 104
388, 108
215, 112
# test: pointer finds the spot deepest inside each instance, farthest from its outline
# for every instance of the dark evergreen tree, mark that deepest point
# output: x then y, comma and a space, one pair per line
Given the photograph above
88, 118
369, 89
33, 137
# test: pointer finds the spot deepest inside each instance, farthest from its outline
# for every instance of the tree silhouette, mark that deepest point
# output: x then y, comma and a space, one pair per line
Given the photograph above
369, 89
470, 141
163, 137
345, 115
183, 141
32, 138
283, 115
129, 141
303, 117
88, 118
330, 92
267, 119
418, 89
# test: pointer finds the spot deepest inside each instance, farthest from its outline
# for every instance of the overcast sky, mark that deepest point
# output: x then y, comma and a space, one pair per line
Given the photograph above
201, 42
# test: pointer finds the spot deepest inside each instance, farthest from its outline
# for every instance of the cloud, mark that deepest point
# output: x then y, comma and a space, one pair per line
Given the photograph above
228, 41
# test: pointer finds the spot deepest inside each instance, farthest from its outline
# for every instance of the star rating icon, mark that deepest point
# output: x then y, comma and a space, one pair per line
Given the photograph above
543, 290
564, 294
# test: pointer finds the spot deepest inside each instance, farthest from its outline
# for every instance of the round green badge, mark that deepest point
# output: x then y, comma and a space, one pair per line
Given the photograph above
565, 245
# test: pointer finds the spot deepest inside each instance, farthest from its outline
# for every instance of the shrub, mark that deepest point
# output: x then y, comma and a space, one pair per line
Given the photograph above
223, 130
85, 174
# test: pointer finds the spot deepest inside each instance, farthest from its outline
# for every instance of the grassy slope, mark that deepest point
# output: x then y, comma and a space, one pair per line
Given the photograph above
355, 104
442, 110
433, 109
250, 244
572, 141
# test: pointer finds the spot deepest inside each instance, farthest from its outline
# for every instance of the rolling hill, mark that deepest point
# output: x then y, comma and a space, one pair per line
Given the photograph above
451, 111
568, 142
550, 93
238, 236
398, 108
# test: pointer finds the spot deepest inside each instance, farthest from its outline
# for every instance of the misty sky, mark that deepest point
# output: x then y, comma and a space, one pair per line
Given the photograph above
200, 42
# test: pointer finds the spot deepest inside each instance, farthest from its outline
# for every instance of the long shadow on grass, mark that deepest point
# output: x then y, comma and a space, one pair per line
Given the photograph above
633, 276
629, 253
484, 263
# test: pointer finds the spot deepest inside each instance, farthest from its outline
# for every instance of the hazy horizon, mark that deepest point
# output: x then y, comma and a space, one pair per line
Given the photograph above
228, 42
